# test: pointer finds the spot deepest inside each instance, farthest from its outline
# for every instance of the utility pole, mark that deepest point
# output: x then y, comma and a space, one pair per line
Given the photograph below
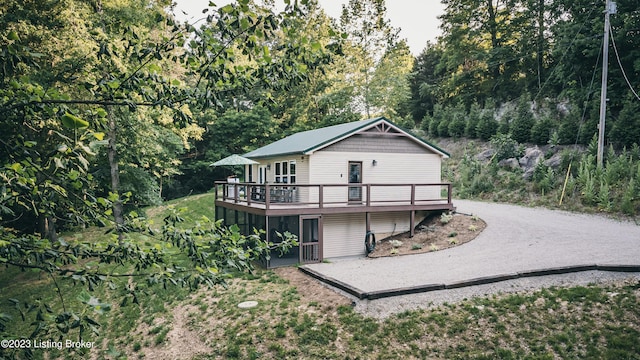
610, 9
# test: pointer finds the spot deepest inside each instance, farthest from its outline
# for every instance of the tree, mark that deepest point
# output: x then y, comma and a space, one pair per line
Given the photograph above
541, 131
487, 126
475, 112
243, 120
322, 100
389, 86
370, 37
424, 82
481, 36
64, 96
523, 121
45, 146
626, 129
458, 121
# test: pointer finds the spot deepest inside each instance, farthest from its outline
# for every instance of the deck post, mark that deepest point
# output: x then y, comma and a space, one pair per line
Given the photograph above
412, 223
368, 196
449, 193
267, 262
321, 196
413, 194
367, 218
267, 196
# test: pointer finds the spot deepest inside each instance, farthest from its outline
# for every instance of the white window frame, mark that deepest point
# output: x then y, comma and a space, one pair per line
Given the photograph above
285, 172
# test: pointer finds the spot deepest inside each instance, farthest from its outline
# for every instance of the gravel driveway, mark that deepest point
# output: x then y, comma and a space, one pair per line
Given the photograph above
517, 239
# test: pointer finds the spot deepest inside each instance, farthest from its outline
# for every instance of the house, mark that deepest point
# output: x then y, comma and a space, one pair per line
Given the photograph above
336, 186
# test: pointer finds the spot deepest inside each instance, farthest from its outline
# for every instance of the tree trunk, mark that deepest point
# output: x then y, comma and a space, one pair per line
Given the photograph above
495, 43
47, 227
540, 50
112, 154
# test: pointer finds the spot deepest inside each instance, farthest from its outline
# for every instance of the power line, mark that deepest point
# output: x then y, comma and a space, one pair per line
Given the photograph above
557, 65
624, 74
584, 109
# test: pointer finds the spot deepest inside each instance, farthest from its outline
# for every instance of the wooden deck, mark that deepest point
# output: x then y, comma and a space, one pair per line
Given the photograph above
302, 199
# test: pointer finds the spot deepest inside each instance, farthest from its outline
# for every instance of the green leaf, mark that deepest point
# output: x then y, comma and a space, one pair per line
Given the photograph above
154, 68
13, 36
84, 297
17, 167
227, 9
73, 174
73, 122
113, 84
244, 23
102, 113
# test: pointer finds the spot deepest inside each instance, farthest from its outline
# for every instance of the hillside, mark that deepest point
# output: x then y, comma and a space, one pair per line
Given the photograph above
505, 171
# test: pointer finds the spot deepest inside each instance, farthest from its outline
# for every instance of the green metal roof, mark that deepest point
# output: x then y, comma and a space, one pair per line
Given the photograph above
309, 141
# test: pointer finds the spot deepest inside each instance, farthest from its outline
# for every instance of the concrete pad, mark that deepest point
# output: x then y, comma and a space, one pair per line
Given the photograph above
518, 242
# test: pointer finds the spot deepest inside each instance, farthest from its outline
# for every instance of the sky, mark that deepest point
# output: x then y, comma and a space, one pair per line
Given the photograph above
417, 19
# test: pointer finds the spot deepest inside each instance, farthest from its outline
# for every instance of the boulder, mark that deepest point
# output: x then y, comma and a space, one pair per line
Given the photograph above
531, 158
528, 173
509, 163
486, 155
554, 162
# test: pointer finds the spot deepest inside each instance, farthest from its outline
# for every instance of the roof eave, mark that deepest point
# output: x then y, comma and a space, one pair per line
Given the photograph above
268, 156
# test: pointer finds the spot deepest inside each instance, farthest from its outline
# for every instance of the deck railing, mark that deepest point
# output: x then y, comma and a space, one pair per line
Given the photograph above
332, 195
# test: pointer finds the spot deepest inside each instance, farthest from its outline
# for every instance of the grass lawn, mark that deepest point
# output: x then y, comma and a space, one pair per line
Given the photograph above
597, 322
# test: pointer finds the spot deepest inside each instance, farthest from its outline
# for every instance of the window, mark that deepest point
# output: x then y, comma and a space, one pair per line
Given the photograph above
292, 171
285, 172
278, 173
355, 177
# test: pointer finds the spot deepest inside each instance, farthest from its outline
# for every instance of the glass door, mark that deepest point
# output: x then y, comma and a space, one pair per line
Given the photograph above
257, 192
355, 177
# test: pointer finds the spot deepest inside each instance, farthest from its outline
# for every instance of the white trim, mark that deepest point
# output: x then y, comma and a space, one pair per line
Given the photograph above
374, 124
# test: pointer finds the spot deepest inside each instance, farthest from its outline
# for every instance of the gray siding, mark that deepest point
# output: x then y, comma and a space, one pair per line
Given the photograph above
380, 144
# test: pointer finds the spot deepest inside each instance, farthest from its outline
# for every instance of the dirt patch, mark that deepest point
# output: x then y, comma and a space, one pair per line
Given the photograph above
312, 290
433, 234
182, 341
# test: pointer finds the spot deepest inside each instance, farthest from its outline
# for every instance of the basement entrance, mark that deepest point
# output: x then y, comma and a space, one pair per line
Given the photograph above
310, 239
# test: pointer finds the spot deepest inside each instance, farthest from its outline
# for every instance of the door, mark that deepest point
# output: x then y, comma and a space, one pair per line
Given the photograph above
355, 177
310, 239
257, 192
262, 174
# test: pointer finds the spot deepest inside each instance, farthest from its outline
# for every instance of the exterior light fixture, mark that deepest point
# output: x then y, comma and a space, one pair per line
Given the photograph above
375, 162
